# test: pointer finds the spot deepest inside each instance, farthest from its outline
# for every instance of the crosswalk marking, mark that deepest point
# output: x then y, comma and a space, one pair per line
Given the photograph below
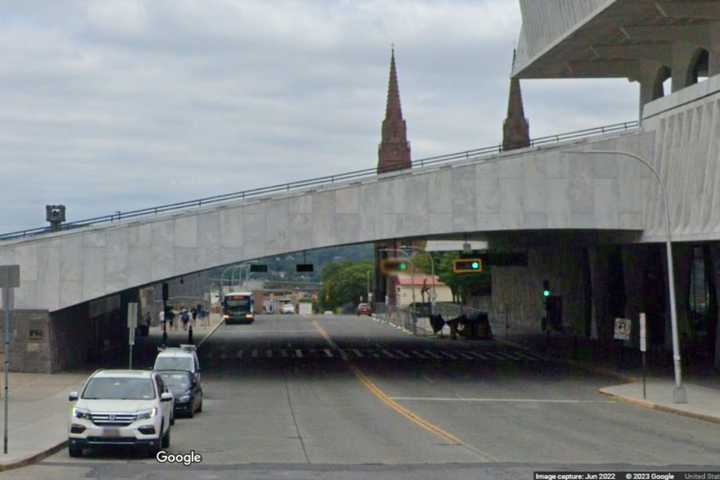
447, 355
378, 352
478, 355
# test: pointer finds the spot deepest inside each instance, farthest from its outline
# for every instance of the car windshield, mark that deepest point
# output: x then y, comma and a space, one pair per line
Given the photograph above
118, 388
176, 381
174, 363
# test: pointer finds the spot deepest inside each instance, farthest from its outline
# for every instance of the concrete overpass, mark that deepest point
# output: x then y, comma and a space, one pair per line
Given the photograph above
534, 189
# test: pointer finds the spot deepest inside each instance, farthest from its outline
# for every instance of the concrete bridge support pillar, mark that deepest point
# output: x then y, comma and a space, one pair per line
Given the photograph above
715, 277
602, 327
634, 259
682, 57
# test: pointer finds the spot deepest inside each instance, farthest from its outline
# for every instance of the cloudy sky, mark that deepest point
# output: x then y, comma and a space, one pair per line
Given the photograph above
110, 105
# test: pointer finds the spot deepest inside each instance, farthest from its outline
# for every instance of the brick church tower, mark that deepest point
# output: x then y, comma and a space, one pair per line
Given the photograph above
516, 130
394, 150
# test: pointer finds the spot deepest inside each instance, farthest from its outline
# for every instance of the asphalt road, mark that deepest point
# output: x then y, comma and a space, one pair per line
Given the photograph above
346, 397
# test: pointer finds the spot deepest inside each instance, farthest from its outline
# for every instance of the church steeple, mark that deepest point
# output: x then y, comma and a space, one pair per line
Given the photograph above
394, 149
516, 130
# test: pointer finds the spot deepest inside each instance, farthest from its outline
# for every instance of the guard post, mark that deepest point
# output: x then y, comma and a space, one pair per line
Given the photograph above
9, 280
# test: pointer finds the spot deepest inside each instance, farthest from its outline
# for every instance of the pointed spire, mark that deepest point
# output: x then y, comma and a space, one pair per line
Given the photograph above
394, 150
516, 130
393, 108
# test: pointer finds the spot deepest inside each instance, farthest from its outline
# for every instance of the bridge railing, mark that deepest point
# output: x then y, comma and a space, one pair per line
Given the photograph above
320, 181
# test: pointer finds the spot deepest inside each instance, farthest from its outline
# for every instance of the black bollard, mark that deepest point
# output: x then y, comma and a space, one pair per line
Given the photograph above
190, 335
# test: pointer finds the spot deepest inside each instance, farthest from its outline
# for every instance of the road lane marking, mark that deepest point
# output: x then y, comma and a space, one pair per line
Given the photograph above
465, 356
447, 354
298, 353
395, 406
357, 352
328, 353
432, 354
419, 355
499, 400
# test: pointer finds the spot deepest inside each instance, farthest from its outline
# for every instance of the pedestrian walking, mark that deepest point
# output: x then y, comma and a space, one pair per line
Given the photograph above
185, 318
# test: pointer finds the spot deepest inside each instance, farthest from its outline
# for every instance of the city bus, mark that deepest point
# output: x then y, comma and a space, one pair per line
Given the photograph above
238, 307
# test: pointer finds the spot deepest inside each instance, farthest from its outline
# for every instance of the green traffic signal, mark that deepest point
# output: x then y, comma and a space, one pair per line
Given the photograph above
546, 293
475, 265
402, 266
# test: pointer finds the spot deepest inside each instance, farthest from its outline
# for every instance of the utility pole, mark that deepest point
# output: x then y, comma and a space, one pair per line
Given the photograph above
9, 280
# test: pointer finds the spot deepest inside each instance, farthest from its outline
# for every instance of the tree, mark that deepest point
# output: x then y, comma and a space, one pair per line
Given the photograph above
461, 285
343, 283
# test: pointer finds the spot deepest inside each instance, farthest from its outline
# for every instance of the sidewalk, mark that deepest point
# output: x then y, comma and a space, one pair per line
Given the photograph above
38, 415
39, 407
702, 383
703, 402
177, 335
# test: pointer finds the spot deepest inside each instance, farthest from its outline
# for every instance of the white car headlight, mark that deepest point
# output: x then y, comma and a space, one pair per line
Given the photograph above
80, 413
145, 414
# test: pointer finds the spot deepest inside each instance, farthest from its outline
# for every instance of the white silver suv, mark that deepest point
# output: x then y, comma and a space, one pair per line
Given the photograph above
121, 407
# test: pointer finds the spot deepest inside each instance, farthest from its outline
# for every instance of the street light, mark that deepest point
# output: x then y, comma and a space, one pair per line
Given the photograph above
679, 393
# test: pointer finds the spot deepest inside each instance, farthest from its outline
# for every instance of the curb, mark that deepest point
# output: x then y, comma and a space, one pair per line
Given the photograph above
207, 335
660, 408
34, 458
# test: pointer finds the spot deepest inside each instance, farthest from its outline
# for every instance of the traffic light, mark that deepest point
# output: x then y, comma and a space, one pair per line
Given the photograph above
546, 289
391, 266
468, 265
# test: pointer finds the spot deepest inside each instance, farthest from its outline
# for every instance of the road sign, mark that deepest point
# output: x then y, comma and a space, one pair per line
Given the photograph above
132, 321
623, 326
643, 333
468, 265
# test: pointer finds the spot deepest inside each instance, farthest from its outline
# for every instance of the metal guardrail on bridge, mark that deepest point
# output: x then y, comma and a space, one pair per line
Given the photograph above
320, 181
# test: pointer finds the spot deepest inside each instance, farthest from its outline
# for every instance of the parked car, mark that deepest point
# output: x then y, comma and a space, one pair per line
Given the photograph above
363, 309
287, 308
121, 407
182, 358
328, 312
186, 389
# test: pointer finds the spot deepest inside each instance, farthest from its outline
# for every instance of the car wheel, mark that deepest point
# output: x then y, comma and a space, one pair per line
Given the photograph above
74, 451
166, 439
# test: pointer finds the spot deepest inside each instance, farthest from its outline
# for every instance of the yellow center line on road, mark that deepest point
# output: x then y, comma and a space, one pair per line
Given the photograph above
395, 406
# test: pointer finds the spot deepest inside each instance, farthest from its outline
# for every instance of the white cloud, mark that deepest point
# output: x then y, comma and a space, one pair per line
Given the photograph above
116, 105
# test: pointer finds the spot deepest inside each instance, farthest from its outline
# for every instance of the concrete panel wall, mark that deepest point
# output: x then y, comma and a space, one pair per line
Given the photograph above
518, 290
686, 125
533, 189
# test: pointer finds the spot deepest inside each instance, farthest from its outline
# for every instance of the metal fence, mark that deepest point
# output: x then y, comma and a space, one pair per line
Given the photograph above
300, 185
